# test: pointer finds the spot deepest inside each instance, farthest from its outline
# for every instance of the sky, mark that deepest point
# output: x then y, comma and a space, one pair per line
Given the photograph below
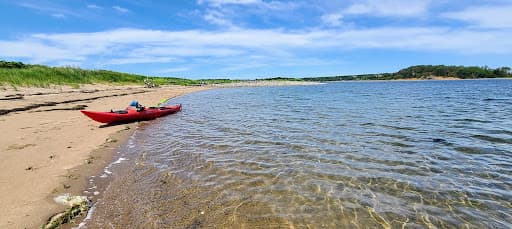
248, 39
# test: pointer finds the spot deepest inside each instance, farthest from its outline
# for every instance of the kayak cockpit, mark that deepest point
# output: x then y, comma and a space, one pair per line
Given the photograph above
119, 111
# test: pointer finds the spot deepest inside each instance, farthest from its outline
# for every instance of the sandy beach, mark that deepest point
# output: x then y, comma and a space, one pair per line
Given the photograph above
48, 148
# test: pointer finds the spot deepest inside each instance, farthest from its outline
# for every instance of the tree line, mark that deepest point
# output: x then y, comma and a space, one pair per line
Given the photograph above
427, 72
12, 64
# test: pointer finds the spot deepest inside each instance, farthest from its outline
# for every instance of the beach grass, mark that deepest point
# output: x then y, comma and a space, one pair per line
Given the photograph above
18, 74
44, 76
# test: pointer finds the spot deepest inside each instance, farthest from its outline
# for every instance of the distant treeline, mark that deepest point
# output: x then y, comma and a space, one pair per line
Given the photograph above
426, 72
20, 74
11, 64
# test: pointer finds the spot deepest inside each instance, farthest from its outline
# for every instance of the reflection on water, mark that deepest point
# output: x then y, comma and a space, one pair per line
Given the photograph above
354, 154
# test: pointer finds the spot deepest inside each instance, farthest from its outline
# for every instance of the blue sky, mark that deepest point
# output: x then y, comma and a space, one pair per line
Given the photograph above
256, 38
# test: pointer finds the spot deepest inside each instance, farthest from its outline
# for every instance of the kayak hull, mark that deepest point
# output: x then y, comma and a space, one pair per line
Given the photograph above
131, 115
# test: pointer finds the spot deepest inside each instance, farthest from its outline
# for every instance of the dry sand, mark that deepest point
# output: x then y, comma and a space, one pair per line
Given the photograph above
47, 148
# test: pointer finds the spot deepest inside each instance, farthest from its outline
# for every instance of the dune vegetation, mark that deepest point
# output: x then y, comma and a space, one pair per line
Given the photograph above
20, 74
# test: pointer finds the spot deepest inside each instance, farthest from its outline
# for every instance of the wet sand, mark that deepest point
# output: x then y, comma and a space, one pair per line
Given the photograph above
47, 147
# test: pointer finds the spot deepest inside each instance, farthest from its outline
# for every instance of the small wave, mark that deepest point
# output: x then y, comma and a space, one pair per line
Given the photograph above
482, 150
397, 155
498, 131
493, 139
397, 144
398, 127
495, 99
469, 120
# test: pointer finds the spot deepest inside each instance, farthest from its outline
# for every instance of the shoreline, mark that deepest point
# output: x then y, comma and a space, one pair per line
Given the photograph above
49, 148
231, 170
416, 79
265, 83
52, 149
90, 163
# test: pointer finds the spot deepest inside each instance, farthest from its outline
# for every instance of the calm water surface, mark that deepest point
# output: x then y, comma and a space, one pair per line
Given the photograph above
350, 154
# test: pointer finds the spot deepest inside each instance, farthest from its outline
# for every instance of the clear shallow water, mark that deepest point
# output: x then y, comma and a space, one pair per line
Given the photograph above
350, 154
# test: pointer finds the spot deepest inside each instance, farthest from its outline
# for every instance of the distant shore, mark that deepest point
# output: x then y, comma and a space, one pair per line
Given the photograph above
447, 78
49, 148
417, 79
264, 83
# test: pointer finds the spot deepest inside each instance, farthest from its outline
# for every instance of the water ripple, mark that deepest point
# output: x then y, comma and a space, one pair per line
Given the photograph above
340, 155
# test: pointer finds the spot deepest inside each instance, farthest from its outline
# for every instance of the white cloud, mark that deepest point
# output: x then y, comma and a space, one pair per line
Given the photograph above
120, 9
229, 2
375, 8
183, 51
332, 19
392, 8
130, 46
217, 18
243, 66
94, 7
36, 51
226, 12
52, 9
485, 16
269, 5
58, 15
139, 60
172, 70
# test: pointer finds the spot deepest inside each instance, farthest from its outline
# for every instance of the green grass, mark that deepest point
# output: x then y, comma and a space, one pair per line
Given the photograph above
42, 76
17, 74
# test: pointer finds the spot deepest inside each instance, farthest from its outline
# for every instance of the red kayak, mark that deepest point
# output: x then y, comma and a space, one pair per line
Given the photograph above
131, 114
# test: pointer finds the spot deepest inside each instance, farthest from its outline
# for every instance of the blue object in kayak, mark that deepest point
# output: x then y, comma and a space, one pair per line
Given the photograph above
134, 103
